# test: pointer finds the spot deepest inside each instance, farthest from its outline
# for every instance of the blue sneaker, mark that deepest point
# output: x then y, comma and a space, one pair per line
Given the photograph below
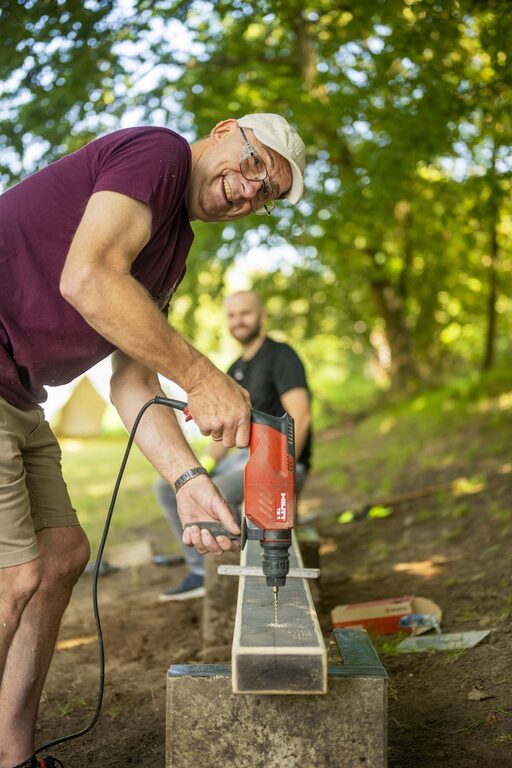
191, 587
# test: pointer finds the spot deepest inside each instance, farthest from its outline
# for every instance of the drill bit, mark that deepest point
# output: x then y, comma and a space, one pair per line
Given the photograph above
276, 592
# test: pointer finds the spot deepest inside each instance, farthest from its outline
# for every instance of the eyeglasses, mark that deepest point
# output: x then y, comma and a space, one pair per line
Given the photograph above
253, 168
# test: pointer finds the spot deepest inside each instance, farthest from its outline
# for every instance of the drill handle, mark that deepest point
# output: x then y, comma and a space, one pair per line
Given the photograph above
216, 529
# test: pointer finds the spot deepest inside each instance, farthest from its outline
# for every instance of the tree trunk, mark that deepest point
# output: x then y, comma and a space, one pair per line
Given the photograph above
490, 339
305, 51
403, 370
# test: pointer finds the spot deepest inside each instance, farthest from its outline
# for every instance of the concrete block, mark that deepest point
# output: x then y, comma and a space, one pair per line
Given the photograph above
346, 728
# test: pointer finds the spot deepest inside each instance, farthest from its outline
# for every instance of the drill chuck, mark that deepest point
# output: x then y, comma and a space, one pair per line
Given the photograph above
275, 559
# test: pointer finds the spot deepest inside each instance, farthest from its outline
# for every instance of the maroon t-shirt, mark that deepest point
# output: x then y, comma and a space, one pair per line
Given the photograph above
43, 339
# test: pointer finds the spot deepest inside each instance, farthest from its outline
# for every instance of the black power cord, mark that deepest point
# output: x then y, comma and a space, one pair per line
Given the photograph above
179, 406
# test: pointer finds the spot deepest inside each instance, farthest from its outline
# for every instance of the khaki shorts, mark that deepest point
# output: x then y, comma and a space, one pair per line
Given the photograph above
33, 494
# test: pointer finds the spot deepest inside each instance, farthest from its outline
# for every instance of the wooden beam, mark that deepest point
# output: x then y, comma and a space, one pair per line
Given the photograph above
219, 608
287, 658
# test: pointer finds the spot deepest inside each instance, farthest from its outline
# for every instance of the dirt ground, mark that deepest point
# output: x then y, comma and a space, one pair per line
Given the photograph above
446, 709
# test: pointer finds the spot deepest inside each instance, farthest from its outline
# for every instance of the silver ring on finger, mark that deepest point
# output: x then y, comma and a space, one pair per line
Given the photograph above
216, 439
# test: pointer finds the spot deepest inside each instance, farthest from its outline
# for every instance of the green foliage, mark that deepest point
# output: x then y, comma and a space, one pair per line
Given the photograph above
58, 67
402, 263
392, 235
424, 431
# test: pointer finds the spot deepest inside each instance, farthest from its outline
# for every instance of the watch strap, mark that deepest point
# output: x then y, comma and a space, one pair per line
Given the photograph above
189, 474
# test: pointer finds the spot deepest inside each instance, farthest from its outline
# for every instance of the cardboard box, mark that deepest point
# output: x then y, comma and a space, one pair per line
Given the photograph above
382, 617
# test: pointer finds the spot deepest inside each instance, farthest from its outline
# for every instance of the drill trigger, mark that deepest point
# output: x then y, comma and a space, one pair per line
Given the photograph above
188, 415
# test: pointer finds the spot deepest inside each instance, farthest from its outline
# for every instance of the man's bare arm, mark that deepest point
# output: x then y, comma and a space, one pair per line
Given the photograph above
159, 435
96, 280
296, 403
161, 440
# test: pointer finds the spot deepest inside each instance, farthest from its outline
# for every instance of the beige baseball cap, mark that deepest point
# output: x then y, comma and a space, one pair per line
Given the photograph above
276, 133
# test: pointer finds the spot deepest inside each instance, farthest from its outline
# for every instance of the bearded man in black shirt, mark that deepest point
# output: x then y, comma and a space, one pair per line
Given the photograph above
274, 376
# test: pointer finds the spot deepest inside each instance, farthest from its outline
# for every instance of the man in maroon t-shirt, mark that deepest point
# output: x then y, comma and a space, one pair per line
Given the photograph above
91, 250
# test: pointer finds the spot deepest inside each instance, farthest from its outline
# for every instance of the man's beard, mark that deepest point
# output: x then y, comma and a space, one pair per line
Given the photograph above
248, 335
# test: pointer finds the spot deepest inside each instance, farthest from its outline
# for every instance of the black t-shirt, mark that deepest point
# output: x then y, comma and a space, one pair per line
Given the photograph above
273, 371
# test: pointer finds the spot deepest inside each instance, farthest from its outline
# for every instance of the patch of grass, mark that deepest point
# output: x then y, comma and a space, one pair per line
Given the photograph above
504, 738
422, 431
340, 394
455, 581
471, 727
453, 655
468, 615
498, 511
506, 609
426, 514
66, 709
387, 645
452, 533
338, 481
90, 468
454, 508
114, 712
502, 712
392, 692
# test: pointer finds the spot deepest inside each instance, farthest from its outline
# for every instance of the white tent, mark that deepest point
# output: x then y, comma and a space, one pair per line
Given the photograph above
82, 413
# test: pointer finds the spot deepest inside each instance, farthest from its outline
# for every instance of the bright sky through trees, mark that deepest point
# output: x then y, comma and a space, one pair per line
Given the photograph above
405, 107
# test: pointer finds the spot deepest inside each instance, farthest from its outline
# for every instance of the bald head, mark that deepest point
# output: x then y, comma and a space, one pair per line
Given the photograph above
245, 297
244, 316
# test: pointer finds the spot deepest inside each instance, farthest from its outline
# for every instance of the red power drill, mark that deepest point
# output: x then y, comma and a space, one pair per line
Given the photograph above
269, 495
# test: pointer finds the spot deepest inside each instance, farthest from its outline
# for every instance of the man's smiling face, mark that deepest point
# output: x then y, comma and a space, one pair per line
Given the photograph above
218, 191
